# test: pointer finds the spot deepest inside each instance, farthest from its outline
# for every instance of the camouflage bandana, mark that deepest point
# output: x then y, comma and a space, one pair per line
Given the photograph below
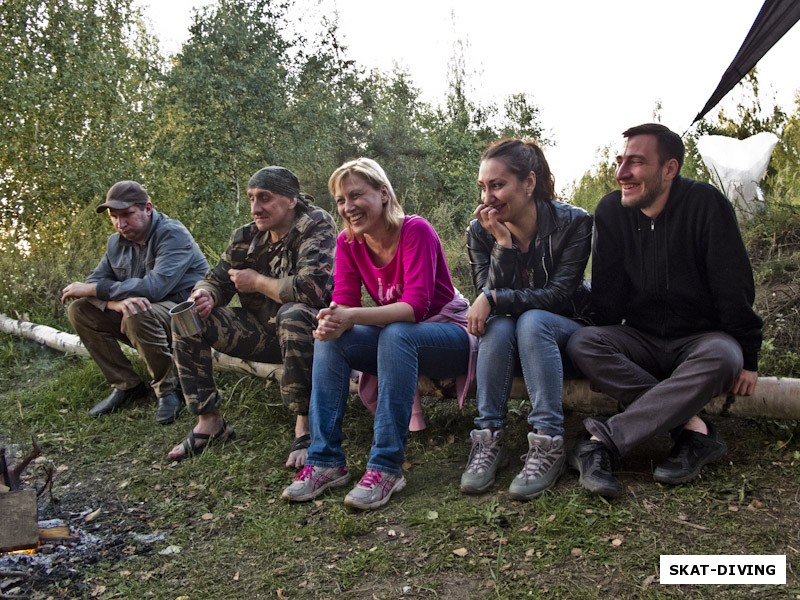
276, 179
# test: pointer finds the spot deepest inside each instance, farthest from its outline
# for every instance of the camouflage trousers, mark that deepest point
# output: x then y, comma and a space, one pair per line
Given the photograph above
237, 332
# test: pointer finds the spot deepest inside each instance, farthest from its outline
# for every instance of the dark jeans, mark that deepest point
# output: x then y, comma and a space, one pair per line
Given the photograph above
660, 383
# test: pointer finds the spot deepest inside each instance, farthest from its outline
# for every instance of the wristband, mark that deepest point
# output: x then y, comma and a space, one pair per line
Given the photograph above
488, 293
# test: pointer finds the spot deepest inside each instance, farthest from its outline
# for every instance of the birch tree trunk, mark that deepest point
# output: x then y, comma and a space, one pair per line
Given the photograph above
775, 397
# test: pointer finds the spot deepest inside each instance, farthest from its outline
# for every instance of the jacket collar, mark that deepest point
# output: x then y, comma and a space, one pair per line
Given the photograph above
677, 192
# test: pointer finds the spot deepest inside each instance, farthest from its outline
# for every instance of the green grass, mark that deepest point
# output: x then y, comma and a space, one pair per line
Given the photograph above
238, 539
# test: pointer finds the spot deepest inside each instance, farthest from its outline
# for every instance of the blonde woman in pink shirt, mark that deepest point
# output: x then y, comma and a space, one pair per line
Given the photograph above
417, 326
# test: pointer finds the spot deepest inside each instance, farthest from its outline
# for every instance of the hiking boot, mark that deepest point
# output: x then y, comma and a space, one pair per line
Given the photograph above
544, 463
593, 460
374, 490
691, 452
487, 455
311, 481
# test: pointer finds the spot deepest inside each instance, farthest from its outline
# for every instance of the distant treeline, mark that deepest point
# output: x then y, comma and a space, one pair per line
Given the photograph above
87, 99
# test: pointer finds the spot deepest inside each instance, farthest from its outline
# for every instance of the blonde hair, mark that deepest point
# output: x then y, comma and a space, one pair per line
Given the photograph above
371, 172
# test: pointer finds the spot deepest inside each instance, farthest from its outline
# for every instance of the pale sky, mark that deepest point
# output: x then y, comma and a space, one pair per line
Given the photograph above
593, 68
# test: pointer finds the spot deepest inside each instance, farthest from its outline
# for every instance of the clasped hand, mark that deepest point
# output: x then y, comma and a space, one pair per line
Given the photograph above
332, 322
245, 280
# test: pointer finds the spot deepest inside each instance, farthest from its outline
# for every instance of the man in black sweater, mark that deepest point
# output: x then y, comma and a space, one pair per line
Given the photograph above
672, 291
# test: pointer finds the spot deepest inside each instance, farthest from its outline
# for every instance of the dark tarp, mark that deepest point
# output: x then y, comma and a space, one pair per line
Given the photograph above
773, 21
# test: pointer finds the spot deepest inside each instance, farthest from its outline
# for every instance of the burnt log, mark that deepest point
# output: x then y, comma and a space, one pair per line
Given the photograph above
11, 476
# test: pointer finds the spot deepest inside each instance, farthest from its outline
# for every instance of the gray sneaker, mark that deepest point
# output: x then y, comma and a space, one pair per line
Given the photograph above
487, 455
544, 464
374, 490
311, 481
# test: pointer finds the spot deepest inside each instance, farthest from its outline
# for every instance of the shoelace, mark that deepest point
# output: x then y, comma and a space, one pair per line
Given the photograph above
304, 473
681, 453
481, 456
371, 478
534, 461
602, 460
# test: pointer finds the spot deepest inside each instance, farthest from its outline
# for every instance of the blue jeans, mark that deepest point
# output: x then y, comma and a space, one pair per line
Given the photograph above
397, 354
534, 341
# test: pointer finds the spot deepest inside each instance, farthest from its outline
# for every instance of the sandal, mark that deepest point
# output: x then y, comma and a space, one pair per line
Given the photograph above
299, 445
190, 447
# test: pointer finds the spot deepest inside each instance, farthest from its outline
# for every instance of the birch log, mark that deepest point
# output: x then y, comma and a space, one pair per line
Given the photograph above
775, 397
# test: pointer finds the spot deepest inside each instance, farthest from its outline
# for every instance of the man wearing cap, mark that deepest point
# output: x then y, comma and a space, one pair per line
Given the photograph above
150, 265
281, 267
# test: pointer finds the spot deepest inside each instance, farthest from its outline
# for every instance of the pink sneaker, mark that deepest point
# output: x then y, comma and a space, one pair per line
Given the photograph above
374, 490
311, 481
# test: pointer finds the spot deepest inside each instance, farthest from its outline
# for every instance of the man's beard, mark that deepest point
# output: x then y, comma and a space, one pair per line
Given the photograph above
652, 187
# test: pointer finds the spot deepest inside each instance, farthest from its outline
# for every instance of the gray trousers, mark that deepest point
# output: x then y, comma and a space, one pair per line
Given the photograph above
148, 332
660, 383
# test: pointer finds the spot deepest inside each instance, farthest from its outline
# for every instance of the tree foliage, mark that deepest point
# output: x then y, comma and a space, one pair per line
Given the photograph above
784, 178
76, 85
596, 183
220, 111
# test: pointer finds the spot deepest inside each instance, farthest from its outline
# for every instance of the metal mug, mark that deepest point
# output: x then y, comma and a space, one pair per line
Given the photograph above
184, 316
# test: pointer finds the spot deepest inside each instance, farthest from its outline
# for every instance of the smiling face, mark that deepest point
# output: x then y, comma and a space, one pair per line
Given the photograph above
502, 190
133, 222
361, 206
643, 179
272, 212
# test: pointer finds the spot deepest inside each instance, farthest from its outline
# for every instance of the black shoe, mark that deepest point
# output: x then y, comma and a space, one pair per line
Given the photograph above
594, 460
169, 407
691, 452
117, 398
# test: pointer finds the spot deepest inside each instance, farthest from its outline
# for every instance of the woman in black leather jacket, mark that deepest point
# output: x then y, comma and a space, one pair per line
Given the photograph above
528, 253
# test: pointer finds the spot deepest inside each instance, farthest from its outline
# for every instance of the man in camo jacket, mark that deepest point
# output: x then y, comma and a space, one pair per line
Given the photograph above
281, 267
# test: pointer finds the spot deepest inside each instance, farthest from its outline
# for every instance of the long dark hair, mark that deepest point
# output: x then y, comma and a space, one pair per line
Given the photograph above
521, 157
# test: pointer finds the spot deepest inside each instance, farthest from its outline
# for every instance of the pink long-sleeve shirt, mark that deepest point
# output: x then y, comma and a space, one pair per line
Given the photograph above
417, 274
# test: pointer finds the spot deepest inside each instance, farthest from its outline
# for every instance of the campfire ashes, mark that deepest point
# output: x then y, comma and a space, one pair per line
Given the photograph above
69, 537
